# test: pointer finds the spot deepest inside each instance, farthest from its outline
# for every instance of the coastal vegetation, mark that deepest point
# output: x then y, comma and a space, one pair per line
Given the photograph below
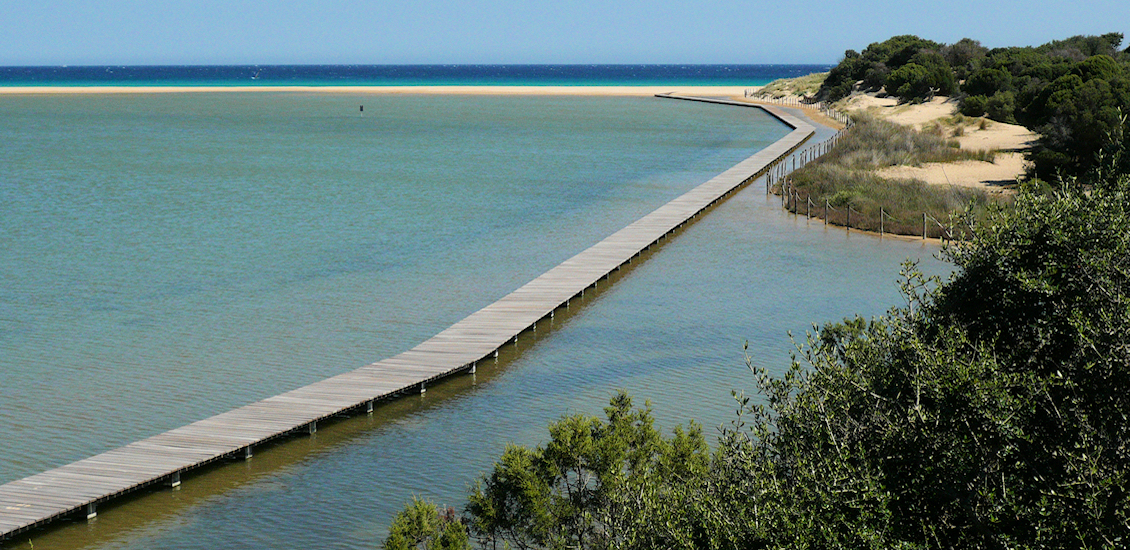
845, 178
989, 411
1073, 92
803, 86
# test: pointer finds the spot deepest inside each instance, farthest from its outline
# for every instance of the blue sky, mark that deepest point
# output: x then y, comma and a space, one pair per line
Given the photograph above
133, 32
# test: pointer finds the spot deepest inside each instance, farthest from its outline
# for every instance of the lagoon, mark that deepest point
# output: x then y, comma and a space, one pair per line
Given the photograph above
169, 257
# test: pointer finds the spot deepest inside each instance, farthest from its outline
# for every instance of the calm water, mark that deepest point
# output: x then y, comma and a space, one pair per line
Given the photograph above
405, 75
166, 258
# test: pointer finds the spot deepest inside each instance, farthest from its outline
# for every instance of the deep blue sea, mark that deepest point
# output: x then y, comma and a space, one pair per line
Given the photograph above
405, 75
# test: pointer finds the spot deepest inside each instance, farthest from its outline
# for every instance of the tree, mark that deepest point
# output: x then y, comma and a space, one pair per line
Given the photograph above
1082, 114
987, 81
925, 75
422, 526
879, 59
595, 484
964, 56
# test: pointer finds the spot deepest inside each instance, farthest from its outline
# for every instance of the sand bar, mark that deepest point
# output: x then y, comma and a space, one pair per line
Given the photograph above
716, 91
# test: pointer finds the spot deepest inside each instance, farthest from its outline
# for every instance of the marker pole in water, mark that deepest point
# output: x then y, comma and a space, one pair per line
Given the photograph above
362, 110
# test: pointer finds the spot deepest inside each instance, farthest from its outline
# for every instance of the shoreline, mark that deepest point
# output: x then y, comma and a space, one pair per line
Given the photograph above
728, 91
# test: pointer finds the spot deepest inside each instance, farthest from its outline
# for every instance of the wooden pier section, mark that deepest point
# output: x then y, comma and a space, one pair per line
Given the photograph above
77, 488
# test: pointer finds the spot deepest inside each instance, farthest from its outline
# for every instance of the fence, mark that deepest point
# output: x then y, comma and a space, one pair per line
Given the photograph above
798, 202
794, 101
793, 201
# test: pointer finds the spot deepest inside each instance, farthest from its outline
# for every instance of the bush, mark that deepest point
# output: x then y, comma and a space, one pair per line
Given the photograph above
974, 105
423, 526
1000, 107
927, 74
987, 81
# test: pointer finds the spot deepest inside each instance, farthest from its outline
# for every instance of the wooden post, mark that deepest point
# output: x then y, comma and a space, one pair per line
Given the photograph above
849, 217
312, 428
825, 211
880, 221
174, 480
369, 405
91, 511
923, 226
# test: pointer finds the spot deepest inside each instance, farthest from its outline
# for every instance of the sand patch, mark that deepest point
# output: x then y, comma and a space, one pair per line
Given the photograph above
995, 177
938, 115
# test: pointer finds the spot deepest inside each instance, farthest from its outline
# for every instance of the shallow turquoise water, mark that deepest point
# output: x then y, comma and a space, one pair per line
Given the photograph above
166, 258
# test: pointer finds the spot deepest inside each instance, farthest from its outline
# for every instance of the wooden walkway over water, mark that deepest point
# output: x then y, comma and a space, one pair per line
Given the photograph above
79, 487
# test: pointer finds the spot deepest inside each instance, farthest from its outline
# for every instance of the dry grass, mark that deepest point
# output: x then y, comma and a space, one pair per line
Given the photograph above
806, 85
844, 178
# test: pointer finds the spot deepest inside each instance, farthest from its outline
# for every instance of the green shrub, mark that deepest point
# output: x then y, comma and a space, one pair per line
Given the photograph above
974, 105
1001, 107
987, 81
423, 526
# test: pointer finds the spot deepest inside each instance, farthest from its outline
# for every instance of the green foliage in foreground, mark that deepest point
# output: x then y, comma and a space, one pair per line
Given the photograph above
423, 526
991, 411
845, 178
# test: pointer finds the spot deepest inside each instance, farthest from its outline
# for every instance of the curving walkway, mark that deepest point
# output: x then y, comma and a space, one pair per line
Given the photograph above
78, 488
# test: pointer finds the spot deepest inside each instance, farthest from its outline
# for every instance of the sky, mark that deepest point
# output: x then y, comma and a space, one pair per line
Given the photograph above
211, 32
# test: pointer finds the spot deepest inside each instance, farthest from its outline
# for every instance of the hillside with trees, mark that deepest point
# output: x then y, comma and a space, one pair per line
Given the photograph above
1075, 93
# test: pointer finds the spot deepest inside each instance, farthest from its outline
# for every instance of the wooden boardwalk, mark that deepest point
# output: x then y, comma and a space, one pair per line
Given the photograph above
79, 487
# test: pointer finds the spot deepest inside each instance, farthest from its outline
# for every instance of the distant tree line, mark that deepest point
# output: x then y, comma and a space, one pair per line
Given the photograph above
1075, 93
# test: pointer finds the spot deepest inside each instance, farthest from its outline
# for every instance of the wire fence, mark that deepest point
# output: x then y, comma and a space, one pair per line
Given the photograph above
799, 202
794, 101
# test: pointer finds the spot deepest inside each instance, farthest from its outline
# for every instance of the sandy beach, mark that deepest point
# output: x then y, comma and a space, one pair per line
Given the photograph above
727, 91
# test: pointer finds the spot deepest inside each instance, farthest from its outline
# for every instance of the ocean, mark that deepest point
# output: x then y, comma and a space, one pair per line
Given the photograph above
166, 257
405, 75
